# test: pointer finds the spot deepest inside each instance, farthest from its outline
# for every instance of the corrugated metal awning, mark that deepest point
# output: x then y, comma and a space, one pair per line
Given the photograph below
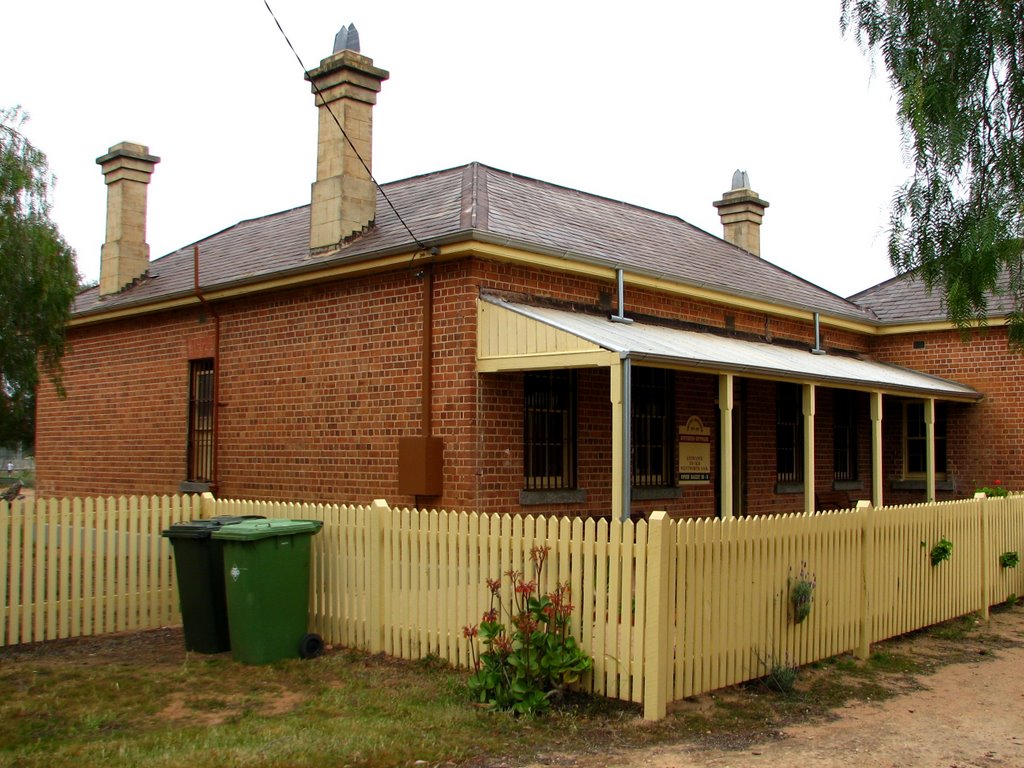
518, 336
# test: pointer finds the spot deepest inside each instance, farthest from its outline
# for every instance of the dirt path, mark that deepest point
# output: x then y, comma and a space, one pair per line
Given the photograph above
968, 715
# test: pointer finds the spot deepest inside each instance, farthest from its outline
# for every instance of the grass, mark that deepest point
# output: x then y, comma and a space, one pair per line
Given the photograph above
141, 700
106, 703
956, 629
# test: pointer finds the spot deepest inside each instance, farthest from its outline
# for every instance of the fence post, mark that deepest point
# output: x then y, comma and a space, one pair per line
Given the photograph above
986, 581
380, 516
207, 506
657, 629
867, 578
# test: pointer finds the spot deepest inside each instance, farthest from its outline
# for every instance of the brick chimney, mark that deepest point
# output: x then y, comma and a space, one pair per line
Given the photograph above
344, 199
741, 211
124, 256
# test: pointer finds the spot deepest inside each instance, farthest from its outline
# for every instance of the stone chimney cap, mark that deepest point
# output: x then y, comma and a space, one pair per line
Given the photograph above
740, 180
128, 149
347, 39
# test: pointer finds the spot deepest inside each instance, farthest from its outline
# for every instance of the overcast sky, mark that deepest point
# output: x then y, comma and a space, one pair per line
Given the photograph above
652, 102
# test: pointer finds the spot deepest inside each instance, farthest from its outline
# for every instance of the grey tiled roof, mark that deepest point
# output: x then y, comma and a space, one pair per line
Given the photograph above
907, 299
491, 205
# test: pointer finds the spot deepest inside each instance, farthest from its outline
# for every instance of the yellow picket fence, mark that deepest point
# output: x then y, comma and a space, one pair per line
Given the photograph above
79, 567
667, 609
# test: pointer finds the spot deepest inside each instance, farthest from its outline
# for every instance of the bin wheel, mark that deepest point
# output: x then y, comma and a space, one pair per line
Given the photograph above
312, 645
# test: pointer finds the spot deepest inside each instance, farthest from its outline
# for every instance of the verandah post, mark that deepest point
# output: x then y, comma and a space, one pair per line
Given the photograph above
808, 399
867, 570
657, 629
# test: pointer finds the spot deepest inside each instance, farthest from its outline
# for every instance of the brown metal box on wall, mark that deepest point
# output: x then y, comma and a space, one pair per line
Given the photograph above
420, 465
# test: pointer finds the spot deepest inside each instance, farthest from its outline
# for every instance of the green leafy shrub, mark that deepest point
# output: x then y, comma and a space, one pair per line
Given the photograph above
523, 663
801, 593
781, 678
941, 551
1009, 559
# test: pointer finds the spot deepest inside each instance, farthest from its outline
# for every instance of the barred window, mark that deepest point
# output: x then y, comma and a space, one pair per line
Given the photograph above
549, 430
200, 421
844, 436
915, 439
651, 429
789, 433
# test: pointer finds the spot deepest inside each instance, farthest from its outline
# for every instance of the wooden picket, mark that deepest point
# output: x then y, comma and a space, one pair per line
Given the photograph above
87, 566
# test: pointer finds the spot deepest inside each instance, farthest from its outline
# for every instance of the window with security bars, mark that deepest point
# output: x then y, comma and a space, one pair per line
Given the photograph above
549, 430
789, 433
200, 421
651, 428
844, 436
915, 439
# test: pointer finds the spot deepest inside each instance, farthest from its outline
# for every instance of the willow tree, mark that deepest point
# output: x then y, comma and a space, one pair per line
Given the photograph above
957, 68
38, 280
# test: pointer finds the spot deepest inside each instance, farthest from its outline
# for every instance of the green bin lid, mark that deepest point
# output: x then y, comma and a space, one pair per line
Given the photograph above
252, 530
204, 528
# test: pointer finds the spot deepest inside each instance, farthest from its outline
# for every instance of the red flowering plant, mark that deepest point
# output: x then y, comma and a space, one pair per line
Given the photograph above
526, 653
995, 490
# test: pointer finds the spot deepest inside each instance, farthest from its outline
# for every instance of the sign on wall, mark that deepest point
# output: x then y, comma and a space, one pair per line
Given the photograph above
694, 452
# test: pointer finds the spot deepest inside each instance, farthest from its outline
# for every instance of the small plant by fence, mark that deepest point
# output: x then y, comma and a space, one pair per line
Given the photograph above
667, 609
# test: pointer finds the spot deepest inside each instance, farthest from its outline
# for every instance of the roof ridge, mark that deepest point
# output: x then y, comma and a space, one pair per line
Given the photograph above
910, 274
474, 211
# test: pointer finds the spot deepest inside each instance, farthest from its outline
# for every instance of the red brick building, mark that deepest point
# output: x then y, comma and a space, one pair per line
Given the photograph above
473, 339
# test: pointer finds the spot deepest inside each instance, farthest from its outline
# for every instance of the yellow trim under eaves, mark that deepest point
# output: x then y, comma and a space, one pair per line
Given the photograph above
506, 253
292, 281
289, 281
544, 361
938, 325
567, 264
120, 314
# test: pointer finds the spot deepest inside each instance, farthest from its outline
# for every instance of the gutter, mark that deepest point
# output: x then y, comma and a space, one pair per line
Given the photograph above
337, 264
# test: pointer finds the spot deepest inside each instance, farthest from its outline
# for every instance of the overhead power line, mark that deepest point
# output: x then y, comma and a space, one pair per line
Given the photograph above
341, 128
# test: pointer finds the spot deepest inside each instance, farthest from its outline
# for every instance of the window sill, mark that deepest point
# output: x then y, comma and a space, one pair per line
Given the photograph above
915, 484
848, 485
789, 487
653, 492
187, 486
531, 498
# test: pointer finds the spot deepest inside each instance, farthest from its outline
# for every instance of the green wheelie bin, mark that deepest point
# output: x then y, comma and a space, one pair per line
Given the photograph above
266, 578
199, 566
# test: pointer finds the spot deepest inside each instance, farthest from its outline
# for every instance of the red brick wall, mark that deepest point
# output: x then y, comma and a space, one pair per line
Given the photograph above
119, 430
516, 279
696, 395
316, 386
759, 410
986, 440
318, 383
762, 495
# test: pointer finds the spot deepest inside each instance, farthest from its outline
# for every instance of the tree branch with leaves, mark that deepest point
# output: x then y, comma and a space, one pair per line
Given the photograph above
957, 68
38, 280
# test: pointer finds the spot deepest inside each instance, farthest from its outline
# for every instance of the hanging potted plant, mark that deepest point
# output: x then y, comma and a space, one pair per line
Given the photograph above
801, 593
